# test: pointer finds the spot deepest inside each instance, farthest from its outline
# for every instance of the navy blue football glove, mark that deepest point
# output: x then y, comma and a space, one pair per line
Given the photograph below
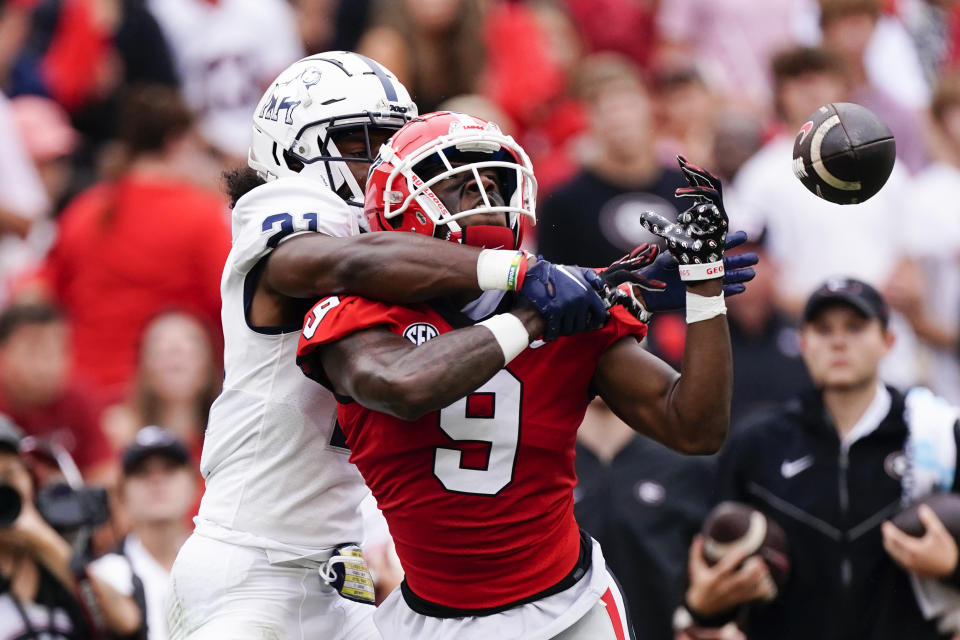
665, 269
566, 296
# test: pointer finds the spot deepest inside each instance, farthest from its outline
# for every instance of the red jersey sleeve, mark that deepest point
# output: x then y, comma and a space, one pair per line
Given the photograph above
622, 323
334, 318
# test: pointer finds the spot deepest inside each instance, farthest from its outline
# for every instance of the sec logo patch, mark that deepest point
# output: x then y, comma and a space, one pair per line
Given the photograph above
420, 332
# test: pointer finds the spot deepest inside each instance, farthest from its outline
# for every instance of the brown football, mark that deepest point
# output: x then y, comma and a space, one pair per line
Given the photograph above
733, 525
945, 505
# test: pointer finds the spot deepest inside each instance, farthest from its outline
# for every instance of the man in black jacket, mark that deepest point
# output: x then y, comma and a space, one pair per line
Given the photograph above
828, 468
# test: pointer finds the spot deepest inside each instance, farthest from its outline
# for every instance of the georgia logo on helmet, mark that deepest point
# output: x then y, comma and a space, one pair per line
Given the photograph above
398, 198
310, 104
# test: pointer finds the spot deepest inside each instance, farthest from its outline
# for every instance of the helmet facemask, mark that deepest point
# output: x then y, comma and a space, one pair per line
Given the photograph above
329, 162
470, 153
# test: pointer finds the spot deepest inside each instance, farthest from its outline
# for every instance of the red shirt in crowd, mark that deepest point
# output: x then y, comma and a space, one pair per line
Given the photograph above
71, 421
126, 251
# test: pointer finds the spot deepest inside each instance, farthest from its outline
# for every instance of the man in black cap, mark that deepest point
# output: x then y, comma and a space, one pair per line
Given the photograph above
828, 468
158, 490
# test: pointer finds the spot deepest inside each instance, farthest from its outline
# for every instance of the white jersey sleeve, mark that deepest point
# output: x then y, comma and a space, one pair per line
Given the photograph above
281, 209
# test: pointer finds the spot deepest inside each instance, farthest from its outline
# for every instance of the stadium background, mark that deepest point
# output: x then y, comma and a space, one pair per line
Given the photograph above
117, 118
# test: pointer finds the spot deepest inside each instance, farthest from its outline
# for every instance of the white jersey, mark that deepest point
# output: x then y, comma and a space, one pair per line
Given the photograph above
276, 476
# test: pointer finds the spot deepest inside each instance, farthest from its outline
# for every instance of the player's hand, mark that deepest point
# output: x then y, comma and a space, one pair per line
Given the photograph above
697, 237
705, 188
738, 269
932, 555
625, 281
568, 298
731, 582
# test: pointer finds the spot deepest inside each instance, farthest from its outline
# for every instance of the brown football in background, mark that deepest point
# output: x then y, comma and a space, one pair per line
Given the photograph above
733, 525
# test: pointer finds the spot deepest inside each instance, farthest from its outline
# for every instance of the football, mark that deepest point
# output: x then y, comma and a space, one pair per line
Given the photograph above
733, 525
844, 153
945, 505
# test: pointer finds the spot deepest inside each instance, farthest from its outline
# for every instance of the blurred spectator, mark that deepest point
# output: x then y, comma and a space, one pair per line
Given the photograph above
350, 23
733, 41
83, 54
434, 47
148, 240
158, 490
829, 468
38, 587
736, 137
177, 380
226, 53
37, 392
14, 31
316, 22
928, 23
686, 114
893, 61
848, 27
812, 239
927, 292
533, 53
50, 139
23, 203
591, 220
767, 368
642, 502
627, 27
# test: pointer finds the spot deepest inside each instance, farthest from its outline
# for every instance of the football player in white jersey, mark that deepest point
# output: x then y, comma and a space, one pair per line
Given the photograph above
281, 499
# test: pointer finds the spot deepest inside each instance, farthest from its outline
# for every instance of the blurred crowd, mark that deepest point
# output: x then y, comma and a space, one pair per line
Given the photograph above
118, 117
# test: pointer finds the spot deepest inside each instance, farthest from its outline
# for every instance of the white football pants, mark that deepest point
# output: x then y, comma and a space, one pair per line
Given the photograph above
220, 590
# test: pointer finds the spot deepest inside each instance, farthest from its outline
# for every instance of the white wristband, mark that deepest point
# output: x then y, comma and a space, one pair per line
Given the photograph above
510, 334
707, 271
701, 308
498, 269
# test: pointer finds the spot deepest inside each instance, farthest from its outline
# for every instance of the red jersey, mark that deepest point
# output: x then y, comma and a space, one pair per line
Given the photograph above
479, 495
124, 253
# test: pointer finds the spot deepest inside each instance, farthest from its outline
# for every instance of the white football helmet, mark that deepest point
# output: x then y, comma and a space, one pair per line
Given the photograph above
312, 102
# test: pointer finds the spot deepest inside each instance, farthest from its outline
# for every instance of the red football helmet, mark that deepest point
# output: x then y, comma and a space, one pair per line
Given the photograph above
437, 146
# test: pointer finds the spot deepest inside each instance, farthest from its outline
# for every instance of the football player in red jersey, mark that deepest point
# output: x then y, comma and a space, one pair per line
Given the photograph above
466, 436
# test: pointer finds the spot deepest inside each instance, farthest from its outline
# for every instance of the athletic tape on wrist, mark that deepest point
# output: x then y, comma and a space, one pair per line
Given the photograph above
501, 270
701, 308
510, 334
707, 271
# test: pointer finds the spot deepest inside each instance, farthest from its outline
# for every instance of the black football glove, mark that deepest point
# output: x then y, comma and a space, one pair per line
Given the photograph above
697, 238
622, 279
705, 188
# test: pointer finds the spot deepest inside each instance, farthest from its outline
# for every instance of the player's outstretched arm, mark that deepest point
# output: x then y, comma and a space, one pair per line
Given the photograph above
391, 267
689, 413
388, 373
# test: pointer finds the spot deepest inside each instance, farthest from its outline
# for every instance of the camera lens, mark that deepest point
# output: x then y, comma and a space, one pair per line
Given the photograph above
9, 505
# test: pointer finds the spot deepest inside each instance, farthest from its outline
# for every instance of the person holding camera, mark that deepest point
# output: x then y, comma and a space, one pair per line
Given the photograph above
44, 593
